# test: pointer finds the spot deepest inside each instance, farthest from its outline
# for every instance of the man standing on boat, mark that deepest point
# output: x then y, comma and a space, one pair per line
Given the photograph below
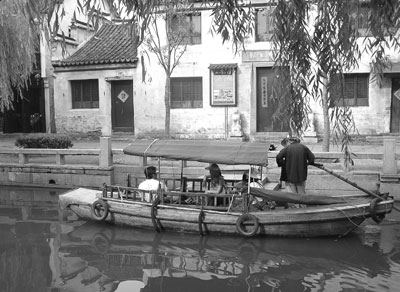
151, 183
295, 157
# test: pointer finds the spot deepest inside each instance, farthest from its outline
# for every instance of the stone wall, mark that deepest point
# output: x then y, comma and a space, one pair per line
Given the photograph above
60, 176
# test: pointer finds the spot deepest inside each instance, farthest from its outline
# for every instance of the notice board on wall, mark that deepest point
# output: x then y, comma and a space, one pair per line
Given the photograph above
223, 84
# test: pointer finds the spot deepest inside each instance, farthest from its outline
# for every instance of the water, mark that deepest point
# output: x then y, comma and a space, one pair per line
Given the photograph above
40, 253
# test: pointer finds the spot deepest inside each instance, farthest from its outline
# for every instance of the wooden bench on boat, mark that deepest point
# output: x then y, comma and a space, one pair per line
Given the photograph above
179, 183
194, 199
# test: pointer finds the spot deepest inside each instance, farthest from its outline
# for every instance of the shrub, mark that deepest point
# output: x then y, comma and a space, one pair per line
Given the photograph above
44, 141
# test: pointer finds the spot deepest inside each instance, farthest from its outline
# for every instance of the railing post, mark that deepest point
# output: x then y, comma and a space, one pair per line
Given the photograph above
23, 159
389, 157
60, 159
105, 159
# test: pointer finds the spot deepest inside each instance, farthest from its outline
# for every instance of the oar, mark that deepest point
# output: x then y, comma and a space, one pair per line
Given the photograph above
321, 166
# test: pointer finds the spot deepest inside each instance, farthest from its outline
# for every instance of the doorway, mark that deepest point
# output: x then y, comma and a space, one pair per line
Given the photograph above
266, 105
395, 107
122, 114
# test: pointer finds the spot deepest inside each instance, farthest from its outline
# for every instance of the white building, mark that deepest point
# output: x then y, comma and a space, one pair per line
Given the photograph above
208, 86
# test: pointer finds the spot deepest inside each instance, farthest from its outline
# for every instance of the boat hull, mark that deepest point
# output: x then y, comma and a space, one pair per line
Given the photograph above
315, 221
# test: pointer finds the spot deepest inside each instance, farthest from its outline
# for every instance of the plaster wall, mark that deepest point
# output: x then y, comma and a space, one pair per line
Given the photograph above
91, 119
208, 121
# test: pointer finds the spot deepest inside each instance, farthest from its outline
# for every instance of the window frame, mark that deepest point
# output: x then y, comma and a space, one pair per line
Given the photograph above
191, 102
362, 20
269, 19
357, 100
79, 85
193, 38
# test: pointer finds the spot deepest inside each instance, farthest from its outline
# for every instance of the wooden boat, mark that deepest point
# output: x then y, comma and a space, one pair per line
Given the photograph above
167, 211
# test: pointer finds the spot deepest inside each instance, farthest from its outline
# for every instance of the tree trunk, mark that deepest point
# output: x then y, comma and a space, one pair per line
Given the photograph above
325, 111
167, 98
52, 110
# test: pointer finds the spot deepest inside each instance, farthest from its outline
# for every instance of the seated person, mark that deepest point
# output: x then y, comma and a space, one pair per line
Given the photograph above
255, 203
217, 182
151, 183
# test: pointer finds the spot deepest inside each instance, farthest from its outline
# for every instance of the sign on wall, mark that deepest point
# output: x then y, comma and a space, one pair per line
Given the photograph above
264, 92
223, 84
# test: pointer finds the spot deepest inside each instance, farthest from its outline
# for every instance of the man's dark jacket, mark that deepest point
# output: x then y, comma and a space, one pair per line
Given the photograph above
295, 159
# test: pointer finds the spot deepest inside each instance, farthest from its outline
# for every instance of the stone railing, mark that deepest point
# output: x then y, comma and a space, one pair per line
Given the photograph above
104, 153
105, 166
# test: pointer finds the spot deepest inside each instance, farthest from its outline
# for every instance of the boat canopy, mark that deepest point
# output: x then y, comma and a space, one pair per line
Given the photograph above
222, 152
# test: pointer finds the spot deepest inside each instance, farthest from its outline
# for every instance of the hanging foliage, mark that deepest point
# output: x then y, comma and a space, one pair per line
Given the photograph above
22, 24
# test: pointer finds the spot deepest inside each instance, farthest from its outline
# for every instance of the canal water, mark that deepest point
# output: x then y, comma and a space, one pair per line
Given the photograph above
38, 252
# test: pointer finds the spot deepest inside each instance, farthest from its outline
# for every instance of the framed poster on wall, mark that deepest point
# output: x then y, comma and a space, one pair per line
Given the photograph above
223, 84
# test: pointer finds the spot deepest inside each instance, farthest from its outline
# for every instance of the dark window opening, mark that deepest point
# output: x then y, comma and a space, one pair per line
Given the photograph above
264, 24
355, 90
187, 92
85, 93
191, 22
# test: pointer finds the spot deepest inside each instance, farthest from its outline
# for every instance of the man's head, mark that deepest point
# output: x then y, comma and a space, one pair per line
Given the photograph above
285, 142
150, 172
294, 140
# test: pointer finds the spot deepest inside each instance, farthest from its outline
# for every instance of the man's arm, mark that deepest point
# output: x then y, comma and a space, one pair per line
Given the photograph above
310, 156
280, 158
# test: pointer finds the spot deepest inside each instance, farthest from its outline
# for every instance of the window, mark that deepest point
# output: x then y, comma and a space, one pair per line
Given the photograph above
264, 24
193, 23
355, 90
187, 92
362, 20
85, 93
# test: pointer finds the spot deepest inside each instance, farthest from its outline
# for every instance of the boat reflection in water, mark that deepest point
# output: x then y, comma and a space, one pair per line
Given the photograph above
121, 259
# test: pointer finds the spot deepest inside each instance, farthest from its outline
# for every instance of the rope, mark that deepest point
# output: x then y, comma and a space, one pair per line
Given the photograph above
156, 224
148, 147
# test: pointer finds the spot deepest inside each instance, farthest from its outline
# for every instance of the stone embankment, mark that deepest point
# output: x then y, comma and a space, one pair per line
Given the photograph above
92, 162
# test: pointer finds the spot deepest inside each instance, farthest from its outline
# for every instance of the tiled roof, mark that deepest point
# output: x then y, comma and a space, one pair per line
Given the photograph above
223, 66
112, 44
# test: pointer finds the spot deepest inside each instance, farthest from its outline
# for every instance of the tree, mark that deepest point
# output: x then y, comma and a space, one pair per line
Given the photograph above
320, 54
320, 51
168, 37
22, 24
314, 51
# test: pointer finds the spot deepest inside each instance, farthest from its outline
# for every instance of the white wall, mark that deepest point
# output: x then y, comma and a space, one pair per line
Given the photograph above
208, 121
69, 120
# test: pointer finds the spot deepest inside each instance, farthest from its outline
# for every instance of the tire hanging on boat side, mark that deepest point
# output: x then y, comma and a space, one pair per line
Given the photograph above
99, 210
372, 208
240, 226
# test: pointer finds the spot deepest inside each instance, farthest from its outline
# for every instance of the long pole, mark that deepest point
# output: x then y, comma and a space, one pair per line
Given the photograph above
320, 166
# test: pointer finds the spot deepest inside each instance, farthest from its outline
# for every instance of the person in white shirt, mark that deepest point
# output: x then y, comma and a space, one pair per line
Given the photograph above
151, 183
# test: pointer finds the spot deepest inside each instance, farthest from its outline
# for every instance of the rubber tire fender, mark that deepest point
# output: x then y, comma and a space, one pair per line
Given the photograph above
95, 212
372, 208
247, 217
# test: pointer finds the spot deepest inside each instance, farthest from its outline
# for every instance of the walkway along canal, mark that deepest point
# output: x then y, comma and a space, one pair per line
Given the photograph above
69, 168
